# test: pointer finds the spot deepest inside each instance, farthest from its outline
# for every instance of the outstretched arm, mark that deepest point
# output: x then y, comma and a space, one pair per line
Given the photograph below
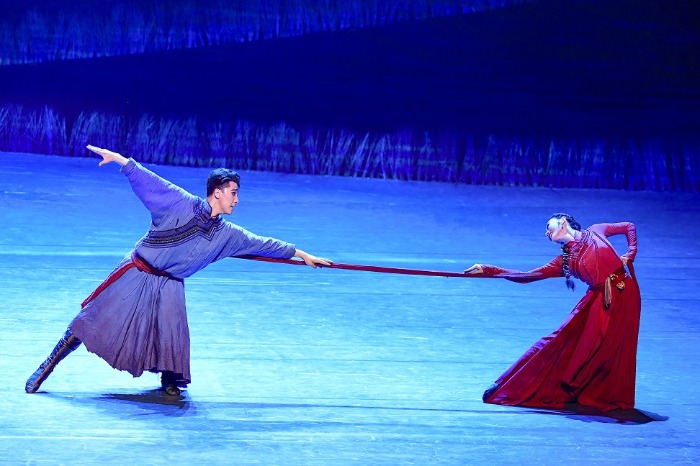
108, 156
311, 260
158, 195
549, 270
240, 242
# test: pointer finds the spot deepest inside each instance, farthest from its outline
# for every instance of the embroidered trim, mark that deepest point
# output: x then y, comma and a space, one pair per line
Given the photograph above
200, 225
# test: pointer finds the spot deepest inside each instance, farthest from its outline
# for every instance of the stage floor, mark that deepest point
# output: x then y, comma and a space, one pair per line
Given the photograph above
294, 365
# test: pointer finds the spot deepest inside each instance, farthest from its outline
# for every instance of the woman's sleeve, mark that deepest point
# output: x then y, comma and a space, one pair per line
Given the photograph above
157, 194
550, 270
622, 228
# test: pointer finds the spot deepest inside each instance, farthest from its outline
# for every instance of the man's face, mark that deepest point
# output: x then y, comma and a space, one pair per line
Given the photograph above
228, 197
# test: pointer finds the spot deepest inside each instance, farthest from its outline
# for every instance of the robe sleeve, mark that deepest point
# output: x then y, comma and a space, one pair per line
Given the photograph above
157, 194
550, 270
241, 242
622, 228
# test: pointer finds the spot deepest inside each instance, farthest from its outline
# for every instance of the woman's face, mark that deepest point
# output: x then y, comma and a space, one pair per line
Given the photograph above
557, 230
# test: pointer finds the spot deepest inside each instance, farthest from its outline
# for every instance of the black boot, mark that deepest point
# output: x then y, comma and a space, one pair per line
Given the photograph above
169, 383
64, 347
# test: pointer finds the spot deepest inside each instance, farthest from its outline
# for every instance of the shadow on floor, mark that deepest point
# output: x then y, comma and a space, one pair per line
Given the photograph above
155, 398
617, 416
153, 401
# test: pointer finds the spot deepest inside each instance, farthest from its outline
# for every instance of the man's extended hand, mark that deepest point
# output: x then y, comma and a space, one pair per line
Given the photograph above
311, 260
108, 156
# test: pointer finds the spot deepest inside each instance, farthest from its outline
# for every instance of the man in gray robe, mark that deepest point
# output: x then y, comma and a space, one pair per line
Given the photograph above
136, 320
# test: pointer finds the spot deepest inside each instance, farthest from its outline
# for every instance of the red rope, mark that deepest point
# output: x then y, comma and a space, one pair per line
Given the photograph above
366, 268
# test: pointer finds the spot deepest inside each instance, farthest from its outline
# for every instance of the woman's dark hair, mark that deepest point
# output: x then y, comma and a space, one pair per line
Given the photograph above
221, 177
569, 219
565, 271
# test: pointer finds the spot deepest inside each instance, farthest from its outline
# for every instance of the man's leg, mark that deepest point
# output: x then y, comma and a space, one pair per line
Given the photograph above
64, 347
168, 380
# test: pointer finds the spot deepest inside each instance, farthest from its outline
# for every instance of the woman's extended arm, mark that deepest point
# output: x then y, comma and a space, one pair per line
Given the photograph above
550, 270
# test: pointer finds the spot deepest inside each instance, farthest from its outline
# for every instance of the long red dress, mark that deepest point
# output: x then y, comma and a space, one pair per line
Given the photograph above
591, 358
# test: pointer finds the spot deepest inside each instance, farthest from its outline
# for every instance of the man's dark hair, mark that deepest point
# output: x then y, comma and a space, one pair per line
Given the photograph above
569, 219
220, 177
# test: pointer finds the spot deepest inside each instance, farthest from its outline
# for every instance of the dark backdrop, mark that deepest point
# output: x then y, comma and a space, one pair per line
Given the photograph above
557, 66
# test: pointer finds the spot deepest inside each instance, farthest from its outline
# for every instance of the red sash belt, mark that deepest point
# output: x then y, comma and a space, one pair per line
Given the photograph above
141, 264
136, 261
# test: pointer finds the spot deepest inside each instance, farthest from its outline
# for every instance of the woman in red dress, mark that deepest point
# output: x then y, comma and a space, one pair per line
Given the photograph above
591, 359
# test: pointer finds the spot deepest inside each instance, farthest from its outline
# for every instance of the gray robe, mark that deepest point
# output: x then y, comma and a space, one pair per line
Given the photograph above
138, 322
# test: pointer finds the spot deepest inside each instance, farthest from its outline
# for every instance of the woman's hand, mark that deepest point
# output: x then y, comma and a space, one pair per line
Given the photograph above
475, 269
311, 260
108, 155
